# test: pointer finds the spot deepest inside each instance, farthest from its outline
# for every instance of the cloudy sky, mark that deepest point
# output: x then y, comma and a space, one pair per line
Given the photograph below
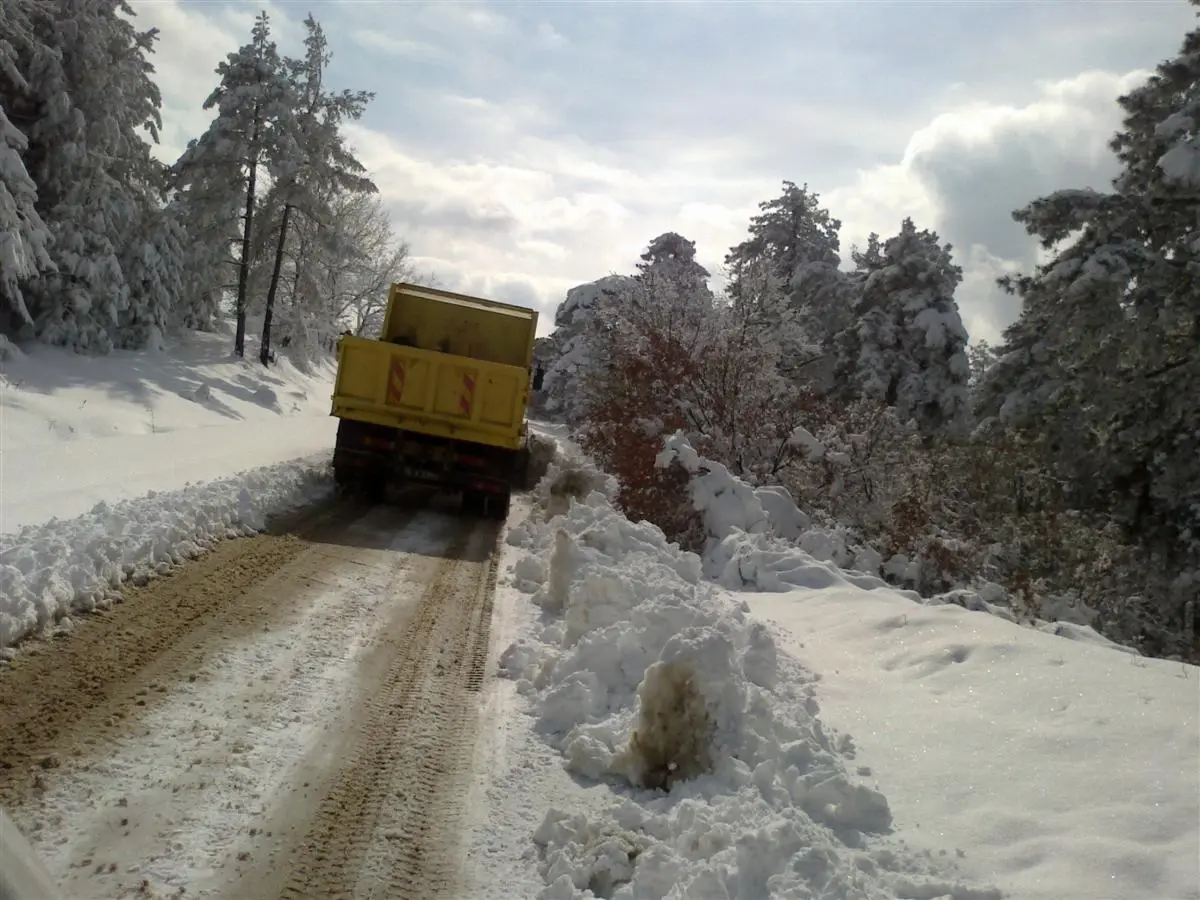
524, 148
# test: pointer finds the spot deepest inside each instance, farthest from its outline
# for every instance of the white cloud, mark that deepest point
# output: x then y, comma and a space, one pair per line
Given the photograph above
398, 46
523, 149
964, 173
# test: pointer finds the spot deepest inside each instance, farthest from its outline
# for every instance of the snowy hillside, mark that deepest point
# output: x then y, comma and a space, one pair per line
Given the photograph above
75, 430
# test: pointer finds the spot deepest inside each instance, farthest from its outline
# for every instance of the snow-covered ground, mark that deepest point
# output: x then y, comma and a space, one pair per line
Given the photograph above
76, 430
822, 735
119, 465
1058, 768
850, 741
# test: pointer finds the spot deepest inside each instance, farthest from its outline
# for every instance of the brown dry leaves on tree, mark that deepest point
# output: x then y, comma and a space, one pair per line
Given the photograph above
629, 414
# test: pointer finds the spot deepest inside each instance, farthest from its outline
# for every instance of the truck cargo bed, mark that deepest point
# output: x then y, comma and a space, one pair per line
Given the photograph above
430, 392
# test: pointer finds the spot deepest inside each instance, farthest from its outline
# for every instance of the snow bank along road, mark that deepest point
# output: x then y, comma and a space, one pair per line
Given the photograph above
291, 715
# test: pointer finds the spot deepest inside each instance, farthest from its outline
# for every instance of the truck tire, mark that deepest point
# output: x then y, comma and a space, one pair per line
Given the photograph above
374, 486
497, 506
473, 503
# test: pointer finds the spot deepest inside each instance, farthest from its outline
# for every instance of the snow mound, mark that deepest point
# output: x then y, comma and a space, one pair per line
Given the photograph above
544, 451
759, 541
51, 570
569, 479
725, 782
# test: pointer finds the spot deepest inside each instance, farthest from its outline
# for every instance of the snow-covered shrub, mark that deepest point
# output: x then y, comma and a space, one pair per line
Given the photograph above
622, 432
1049, 569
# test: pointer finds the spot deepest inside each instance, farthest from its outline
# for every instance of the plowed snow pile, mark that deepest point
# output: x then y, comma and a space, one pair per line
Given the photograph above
704, 707
724, 780
50, 571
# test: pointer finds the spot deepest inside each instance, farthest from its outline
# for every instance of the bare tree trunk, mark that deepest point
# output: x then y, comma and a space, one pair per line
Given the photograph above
239, 340
264, 353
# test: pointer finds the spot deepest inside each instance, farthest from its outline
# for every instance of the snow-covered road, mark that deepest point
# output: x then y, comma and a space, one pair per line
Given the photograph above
399, 702
291, 715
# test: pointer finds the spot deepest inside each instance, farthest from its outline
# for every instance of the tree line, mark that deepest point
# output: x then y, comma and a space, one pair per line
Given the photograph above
1057, 474
268, 212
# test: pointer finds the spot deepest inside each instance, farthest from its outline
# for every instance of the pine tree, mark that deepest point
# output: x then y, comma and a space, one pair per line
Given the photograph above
670, 291
24, 237
1102, 361
870, 258
84, 98
798, 241
908, 348
668, 266
326, 166
254, 135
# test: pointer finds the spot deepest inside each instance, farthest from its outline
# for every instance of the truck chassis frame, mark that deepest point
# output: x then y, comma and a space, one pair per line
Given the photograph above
373, 458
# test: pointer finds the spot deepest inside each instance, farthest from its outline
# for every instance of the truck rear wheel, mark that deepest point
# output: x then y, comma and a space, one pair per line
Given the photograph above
497, 506
374, 486
473, 503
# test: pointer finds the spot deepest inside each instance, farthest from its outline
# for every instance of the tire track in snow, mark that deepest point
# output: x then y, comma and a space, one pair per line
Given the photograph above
53, 693
186, 774
389, 825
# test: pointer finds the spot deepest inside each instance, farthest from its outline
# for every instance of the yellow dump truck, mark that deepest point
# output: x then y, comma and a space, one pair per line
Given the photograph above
438, 399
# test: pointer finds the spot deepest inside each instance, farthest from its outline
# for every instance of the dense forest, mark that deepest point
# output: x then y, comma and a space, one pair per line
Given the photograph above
1057, 474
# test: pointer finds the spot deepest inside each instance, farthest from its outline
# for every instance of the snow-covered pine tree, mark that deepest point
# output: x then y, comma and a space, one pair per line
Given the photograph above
254, 136
85, 100
981, 356
669, 268
326, 166
669, 295
908, 347
208, 221
574, 351
1104, 355
798, 240
868, 259
24, 237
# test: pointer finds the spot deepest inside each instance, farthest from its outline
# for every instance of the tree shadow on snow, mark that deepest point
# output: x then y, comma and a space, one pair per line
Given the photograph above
141, 379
